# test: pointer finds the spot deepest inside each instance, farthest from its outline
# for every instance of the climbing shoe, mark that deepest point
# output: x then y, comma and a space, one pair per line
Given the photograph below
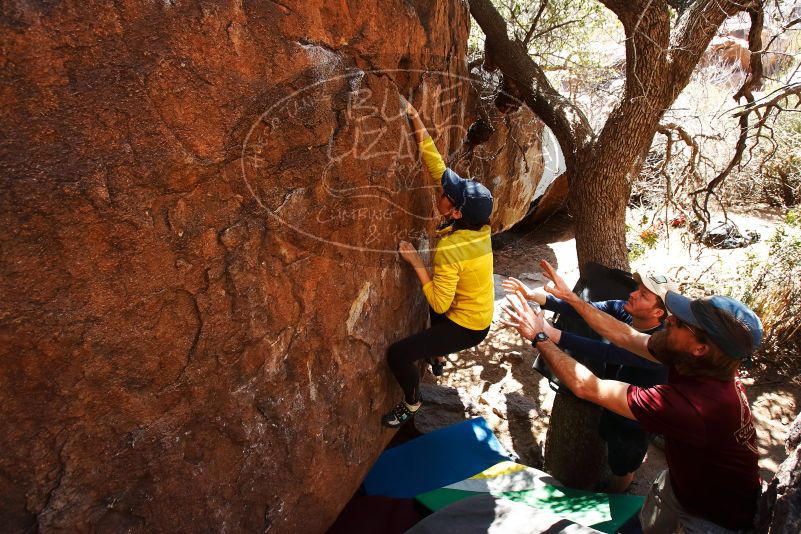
401, 413
437, 365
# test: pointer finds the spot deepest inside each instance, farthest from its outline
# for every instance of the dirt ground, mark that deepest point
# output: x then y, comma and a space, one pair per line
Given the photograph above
496, 380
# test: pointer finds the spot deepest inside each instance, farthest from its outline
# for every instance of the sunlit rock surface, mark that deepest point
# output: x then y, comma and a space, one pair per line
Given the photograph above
200, 207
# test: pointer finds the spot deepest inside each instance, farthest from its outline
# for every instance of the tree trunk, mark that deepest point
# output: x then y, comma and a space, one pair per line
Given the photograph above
598, 199
599, 191
780, 505
659, 62
574, 452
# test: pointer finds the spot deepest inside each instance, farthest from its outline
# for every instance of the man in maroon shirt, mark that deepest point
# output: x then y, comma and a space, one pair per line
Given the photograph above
712, 482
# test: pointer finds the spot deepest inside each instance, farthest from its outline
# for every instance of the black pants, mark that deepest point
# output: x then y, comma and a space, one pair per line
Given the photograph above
442, 338
626, 446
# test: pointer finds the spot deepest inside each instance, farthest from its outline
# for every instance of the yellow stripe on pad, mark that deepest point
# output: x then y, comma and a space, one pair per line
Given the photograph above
505, 477
501, 468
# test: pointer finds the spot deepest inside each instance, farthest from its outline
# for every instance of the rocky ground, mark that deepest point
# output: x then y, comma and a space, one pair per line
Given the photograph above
496, 380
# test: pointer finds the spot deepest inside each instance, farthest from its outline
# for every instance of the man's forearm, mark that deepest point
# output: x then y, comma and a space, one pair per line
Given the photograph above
610, 394
615, 331
570, 372
600, 351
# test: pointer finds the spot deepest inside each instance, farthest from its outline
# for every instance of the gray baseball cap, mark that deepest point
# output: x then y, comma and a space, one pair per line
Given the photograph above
656, 283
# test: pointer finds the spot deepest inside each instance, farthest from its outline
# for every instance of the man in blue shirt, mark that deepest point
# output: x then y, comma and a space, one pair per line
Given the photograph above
645, 311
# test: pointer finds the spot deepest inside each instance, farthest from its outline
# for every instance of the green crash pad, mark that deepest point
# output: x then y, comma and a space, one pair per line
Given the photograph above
523, 484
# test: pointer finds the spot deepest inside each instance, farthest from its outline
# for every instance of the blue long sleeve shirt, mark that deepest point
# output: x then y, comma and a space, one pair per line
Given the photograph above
633, 369
610, 307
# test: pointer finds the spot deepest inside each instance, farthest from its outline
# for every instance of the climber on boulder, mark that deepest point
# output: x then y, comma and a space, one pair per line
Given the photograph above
459, 290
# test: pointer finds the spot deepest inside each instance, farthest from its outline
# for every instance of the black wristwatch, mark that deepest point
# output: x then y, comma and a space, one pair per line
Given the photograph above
539, 338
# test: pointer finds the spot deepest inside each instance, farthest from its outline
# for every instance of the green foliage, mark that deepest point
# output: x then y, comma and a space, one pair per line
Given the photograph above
781, 172
563, 30
772, 287
636, 251
649, 237
642, 241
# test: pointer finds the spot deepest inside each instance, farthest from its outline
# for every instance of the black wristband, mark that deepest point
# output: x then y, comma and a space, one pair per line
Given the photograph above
539, 338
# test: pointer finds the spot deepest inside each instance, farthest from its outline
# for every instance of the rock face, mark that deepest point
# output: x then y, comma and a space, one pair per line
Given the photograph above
780, 503
510, 161
200, 203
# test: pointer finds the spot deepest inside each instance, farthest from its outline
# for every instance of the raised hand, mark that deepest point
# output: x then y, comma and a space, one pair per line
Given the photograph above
526, 321
512, 285
559, 289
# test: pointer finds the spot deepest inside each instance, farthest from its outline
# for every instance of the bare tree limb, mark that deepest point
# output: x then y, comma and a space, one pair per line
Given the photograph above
571, 127
752, 82
534, 22
554, 27
781, 31
691, 168
702, 210
694, 30
754, 79
773, 99
762, 109
664, 130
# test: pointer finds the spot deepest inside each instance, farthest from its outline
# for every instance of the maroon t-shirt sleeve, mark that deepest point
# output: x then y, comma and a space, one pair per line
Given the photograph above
663, 409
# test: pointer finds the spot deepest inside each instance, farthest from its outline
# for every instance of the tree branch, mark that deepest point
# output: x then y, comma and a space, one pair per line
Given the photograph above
702, 210
554, 27
691, 169
767, 106
781, 31
534, 22
647, 41
694, 30
625, 11
773, 99
752, 82
754, 79
568, 123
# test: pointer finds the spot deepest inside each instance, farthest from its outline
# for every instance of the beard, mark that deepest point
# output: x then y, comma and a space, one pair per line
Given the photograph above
719, 367
660, 348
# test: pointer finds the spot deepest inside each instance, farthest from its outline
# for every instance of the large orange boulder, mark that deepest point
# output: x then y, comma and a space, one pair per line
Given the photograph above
199, 211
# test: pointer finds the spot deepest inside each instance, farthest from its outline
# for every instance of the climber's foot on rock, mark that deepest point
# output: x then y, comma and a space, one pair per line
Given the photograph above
401, 413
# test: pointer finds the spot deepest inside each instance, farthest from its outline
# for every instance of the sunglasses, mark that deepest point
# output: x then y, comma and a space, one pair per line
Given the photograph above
697, 332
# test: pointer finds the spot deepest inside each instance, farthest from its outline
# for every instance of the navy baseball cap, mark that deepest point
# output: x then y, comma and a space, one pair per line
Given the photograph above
730, 324
473, 199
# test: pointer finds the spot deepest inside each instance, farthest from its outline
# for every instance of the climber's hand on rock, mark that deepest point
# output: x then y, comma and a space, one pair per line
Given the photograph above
407, 106
559, 289
409, 254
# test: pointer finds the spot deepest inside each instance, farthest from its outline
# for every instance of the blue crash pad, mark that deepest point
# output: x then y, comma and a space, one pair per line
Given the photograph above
435, 459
